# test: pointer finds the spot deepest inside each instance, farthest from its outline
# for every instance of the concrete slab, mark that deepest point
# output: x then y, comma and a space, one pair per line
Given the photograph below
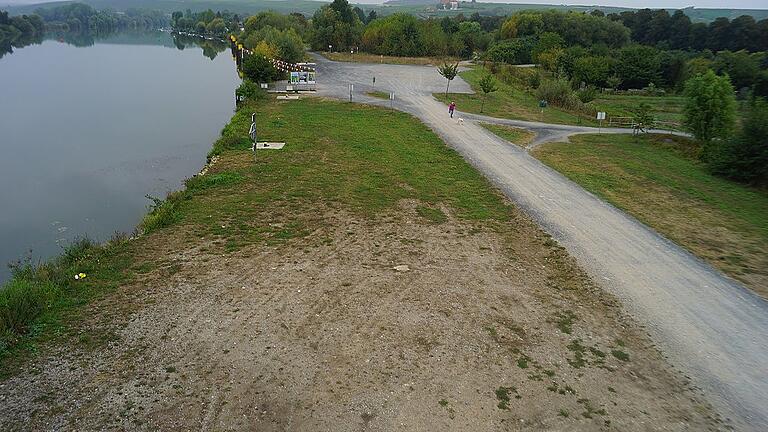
268, 146
286, 97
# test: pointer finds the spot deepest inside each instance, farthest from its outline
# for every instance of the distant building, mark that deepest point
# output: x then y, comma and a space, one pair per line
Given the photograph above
450, 4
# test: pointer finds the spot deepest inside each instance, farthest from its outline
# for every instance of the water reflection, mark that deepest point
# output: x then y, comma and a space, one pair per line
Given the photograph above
87, 133
210, 48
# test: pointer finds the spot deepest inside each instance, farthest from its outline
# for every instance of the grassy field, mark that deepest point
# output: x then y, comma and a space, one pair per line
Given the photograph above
664, 108
658, 180
378, 94
515, 102
509, 102
517, 136
362, 57
235, 203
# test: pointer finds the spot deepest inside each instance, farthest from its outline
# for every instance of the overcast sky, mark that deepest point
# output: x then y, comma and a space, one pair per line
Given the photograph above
667, 4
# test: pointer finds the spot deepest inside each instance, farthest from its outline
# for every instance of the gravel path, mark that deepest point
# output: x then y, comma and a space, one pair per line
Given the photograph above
711, 327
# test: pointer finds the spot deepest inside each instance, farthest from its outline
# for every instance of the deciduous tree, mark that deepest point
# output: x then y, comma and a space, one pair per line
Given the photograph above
710, 108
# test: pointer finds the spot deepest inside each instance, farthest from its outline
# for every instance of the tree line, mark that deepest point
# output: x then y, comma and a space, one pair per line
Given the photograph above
676, 31
205, 23
81, 17
19, 30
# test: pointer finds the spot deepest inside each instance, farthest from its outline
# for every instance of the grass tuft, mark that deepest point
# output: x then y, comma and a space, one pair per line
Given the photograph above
36, 296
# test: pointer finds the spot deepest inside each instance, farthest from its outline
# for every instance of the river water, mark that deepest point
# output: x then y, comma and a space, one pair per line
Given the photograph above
86, 132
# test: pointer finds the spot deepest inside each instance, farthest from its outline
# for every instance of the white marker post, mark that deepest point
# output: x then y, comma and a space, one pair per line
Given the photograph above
351, 88
600, 117
391, 99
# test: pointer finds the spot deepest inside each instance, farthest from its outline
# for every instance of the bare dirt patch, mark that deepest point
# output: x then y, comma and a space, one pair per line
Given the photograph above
489, 327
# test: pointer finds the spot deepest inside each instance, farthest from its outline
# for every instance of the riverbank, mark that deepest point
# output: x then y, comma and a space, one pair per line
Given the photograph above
349, 280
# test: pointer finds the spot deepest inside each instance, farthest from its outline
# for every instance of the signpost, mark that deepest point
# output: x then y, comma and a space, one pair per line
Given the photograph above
542, 105
252, 130
600, 117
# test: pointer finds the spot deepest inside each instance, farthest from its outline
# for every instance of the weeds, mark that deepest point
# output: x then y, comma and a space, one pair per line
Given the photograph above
621, 355
564, 321
37, 294
435, 216
162, 213
502, 394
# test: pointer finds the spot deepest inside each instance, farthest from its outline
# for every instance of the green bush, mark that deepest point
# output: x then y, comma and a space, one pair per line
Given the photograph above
710, 108
250, 91
534, 80
21, 301
556, 92
259, 69
162, 213
515, 76
587, 94
744, 157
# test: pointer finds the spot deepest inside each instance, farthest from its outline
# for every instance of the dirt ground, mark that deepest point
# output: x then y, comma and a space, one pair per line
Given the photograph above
394, 323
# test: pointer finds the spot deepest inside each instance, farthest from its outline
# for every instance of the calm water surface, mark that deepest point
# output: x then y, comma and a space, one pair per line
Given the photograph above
87, 132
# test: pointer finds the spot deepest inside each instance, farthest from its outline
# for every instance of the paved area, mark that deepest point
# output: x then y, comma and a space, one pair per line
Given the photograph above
711, 327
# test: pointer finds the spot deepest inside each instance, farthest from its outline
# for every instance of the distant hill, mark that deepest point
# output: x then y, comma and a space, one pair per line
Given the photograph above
306, 7
422, 8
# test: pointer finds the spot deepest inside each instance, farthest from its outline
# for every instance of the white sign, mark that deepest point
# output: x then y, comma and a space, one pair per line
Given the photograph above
601, 115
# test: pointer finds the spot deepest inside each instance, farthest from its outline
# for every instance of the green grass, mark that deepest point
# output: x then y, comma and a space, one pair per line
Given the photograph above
658, 180
378, 94
564, 321
331, 163
362, 57
502, 395
519, 103
663, 108
509, 101
517, 136
39, 299
621, 355
433, 215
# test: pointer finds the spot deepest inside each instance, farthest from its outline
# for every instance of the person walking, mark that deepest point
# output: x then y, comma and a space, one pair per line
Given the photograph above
451, 108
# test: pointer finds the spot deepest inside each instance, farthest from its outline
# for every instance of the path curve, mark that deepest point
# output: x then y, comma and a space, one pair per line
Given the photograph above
710, 326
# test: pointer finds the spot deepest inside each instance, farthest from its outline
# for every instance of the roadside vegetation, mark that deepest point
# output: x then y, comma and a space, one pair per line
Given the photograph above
363, 57
518, 136
378, 94
660, 180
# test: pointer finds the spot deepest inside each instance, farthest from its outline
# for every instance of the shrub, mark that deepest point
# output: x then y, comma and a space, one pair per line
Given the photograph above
21, 301
162, 213
587, 94
534, 80
710, 107
259, 69
250, 91
514, 75
643, 115
744, 157
556, 92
